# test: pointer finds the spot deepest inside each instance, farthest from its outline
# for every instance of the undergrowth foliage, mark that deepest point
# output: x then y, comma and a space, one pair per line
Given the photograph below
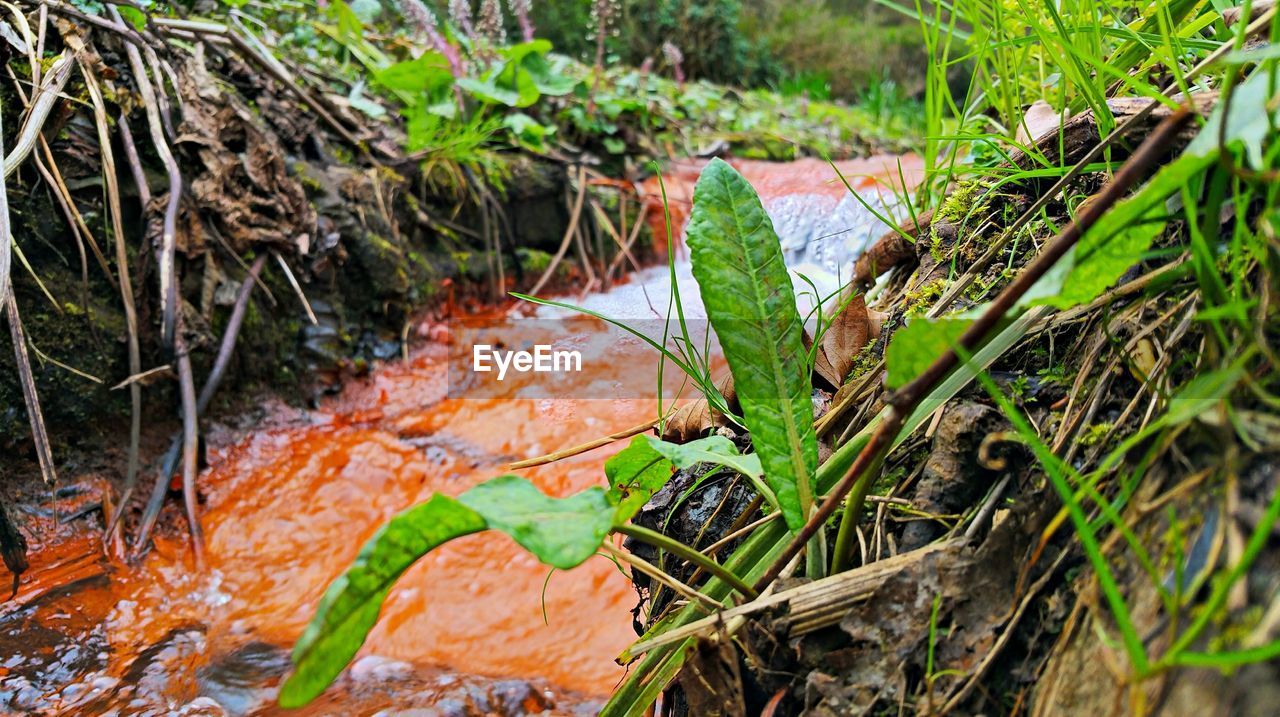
1176, 282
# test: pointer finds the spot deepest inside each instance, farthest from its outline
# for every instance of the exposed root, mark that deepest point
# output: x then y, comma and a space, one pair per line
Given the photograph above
574, 216
168, 243
111, 182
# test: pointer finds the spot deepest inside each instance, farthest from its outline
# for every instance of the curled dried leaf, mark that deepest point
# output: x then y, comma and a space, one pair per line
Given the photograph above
694, 420
849, 332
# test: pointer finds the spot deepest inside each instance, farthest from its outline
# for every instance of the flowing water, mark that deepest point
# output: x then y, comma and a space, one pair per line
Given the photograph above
478, 626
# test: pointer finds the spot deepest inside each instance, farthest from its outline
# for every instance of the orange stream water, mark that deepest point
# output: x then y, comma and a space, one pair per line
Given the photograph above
288, 506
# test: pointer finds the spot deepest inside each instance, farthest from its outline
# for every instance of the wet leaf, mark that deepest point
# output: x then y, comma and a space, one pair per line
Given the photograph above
350, 606
738, 264
561, 532
635, 474
712, 449
918, 344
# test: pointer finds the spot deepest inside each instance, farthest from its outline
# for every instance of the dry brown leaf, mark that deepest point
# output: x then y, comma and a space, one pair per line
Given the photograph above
821, 364
693, 420
848, 333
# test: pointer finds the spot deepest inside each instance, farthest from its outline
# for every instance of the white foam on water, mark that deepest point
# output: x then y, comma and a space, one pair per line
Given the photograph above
821, 236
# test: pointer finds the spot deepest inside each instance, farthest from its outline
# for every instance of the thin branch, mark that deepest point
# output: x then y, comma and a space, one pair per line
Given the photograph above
122, 267
569, 233
584, 447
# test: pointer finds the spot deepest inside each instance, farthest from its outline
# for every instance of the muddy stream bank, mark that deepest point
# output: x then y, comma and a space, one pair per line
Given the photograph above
290, 495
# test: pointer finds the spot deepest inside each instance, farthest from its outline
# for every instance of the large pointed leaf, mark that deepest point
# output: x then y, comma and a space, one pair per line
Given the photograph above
350, 606
561, 532
659, 666
738, 264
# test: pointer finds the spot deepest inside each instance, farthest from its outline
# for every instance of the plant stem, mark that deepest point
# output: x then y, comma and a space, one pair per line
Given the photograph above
675, 547
845, 536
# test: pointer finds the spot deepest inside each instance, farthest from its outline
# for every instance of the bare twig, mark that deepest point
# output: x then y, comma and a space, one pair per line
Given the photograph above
230, 335
34, 415
135, 164
584, 447
10, 303
170, 461
569, 233
122, 266
245, 42
656, 573
128, 34
297, 288
42, 102
190, 443
625, 252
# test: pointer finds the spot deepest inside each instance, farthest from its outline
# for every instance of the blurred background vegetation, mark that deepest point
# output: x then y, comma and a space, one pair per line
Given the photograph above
826, 49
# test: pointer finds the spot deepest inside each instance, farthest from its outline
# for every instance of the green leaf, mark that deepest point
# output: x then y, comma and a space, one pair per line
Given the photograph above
527, 130
918, 344
368, 106
1252, 111
1202, 394
518, 52
549, 78
509, 93
635, 473
738, 264
133, 16
561, 532
426, 74
350, 26
350, 606
712, 449
1094, 264
1116, 241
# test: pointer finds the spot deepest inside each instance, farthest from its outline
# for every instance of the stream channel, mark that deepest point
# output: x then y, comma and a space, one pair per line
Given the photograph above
476, 627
